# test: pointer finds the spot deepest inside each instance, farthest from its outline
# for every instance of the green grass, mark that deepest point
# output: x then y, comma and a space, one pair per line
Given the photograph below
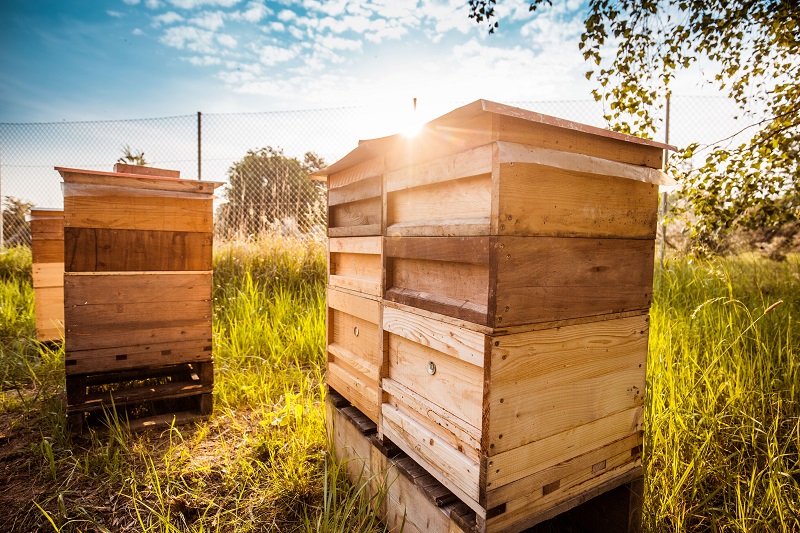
722, 413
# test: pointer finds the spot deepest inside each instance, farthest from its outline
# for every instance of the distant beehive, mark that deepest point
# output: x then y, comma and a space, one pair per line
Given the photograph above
47, 247
137, 291
507, 351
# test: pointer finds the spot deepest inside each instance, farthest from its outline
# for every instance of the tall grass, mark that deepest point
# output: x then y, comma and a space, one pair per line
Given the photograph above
722, 413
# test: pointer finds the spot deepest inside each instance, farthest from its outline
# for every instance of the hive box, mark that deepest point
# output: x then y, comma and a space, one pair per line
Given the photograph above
47, 248
137, 288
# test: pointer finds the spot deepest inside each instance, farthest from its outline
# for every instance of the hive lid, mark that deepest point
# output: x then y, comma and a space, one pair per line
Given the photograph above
368, 149
136, 181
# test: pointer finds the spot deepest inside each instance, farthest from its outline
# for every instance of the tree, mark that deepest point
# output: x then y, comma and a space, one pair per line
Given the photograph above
129, 157
755, 44
267, 189
16, 228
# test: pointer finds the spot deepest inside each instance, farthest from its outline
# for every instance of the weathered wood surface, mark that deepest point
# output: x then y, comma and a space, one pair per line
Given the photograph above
355, 263
128, 211
123, 168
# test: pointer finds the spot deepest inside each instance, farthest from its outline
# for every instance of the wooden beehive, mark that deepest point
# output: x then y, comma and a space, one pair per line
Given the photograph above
47, 248
517, 276
137, 291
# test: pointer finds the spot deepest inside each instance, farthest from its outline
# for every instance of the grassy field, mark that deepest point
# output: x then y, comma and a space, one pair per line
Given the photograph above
722, 449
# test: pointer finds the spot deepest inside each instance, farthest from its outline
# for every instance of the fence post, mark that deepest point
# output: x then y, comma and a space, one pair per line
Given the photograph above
199, 146
664, 205
1, 202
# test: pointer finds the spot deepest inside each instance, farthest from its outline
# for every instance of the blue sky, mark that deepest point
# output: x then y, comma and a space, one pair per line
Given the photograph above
88, 60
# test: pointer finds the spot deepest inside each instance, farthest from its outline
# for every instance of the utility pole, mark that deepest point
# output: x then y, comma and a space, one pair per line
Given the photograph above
199, 146
664, 205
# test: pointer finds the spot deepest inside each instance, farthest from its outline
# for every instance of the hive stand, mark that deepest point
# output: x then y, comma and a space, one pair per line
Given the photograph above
506, 354
47, 249
137, 294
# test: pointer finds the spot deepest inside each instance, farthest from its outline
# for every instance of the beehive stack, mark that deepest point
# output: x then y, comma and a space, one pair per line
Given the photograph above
137, 293
511, 345
47, 249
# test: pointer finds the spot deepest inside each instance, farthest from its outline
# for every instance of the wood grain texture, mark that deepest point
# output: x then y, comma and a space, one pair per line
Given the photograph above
360, 190
155, 213
146, 171
548, 278
363, 394
110, 250
472, 162
126, 357
356, 245
360, 213
364, 170
455, 386
361, 272
538, 200
357, 341
473, 250
49, 306
48, 250
547, 382
48, 275
91, 177
517, 130
367, 309
136, 287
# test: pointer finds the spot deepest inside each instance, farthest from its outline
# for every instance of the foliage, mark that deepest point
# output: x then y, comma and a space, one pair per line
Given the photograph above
131, 157
16, 228
266, 189
755, 48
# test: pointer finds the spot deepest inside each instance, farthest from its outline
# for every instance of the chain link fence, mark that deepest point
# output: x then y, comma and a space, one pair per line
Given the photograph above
263, 158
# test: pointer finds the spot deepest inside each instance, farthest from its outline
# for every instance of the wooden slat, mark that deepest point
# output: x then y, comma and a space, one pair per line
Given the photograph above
546, 201
49, 305
153, 213
441, 203
363, 395
546, 382
146, 171
358, 272
123, 357
443, 337
595, 461
361, 213
122, 397
48, 275
465, 164
48, 250
108, 250
358, 341
451, 467
474, 250
91, 177
43, 228
137, 288
462, 227
549, 278
456, 386
355, 231
356, 245
363, 308
367, 169
517, 130
360, 190
373, 288
86, 337
438, 304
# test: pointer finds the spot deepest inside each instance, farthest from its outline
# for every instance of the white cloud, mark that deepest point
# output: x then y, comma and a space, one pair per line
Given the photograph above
191, 4
358, 24
131, 2
338, 43
115, 14
170, 17
277, 27
286, 15
203, 61
210, 20
194, 39
137, 31
272, 55
297, 33
381, 29
254, 12
226, 40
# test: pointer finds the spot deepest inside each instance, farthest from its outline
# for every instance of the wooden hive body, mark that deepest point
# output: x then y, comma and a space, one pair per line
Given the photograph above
137, 288
512, 326
47, 248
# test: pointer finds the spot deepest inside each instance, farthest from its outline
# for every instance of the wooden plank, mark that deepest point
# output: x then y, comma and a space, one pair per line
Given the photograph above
452, 468
446, 338
546, 382
48, 275
360, 190
153, 213
136, 287
461, 436
545, 453
357, 341
351, 448
439, 203
47, 250
361, 213
373, 288
108, 250
85, 337
551, 278
146, 171
181, 389
49, 306
356, 271
352, 304
546, 201
355, 231
356, 245
474, 250
595, 461
366, 169
465, 164
363, 395
124, 357
518, 130
462, 227
92, 177
43, 228
438, 304
454, 385
104, 316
